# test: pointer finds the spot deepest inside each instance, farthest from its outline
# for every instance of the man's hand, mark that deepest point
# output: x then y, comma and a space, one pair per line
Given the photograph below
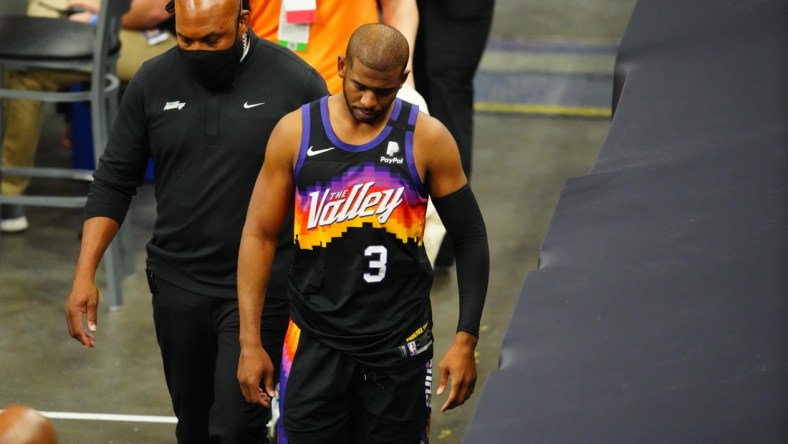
87, 6
459, 364
254, 366
82, 301
88, 11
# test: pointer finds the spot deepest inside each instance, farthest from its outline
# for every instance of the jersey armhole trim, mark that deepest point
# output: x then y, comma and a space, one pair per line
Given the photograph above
411, 160
305, 133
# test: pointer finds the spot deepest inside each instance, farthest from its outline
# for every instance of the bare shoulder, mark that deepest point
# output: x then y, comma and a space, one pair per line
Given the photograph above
290, 123
432, 141
285, 138
429, 129
437, 156
288, 129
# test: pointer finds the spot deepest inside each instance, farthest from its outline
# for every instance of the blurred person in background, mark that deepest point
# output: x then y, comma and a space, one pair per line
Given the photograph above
319, 35
451, 38
148, 30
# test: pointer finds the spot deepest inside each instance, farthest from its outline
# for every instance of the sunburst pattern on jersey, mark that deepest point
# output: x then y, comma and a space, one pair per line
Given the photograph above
383, 187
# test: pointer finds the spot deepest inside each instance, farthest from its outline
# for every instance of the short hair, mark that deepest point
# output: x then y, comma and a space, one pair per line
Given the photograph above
170, 6
379, 47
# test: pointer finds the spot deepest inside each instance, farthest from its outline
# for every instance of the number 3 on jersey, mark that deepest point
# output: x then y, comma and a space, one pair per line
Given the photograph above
379, 256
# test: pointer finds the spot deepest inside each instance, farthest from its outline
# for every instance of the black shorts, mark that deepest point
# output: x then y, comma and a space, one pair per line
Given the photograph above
327, 397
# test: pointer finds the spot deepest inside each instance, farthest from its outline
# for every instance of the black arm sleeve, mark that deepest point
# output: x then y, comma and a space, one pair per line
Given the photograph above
465, 225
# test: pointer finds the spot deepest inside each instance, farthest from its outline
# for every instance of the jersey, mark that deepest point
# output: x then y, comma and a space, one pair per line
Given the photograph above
360, 279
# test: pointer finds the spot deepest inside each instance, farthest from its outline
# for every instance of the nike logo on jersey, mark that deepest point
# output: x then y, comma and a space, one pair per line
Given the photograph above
313, 152
248, 105
174, 105
359, 201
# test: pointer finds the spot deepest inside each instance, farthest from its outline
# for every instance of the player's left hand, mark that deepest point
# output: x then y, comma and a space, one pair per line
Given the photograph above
459, 365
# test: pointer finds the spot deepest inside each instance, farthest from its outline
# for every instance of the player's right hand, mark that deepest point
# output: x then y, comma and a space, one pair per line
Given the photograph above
255, 366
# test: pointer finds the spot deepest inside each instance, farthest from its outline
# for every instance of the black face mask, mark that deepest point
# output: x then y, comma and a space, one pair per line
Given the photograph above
215, 69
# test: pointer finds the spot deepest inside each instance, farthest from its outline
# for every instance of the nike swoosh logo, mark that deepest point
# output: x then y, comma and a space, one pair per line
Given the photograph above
313, 152
247, 105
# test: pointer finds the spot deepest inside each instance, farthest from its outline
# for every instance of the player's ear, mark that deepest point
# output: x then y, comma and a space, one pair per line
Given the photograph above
243, 22
341, 66
403, 77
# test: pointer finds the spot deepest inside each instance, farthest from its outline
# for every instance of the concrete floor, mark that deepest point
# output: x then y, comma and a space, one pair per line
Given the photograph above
552, 58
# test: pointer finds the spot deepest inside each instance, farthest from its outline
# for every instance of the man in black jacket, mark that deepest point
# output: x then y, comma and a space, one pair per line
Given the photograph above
203, 112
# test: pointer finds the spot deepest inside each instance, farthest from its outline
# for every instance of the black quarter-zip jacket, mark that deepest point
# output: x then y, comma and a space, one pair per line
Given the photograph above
207, 149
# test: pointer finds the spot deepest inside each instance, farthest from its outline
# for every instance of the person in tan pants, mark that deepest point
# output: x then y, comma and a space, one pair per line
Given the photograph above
23, 118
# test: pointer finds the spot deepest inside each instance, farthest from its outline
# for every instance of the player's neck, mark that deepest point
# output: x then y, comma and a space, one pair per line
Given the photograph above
347, 128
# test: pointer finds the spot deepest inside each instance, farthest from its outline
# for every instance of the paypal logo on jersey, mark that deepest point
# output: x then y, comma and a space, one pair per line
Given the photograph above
391, 150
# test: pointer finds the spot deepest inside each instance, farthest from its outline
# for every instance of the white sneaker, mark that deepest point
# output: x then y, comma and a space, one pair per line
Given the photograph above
12, 219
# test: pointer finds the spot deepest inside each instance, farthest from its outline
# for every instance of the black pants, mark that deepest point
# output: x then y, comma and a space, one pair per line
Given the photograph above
198, 339
449, 45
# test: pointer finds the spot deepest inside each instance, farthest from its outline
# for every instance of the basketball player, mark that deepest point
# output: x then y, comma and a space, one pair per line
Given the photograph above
357, 364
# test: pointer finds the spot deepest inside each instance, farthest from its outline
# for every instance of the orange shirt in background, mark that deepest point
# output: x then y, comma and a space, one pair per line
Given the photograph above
328, 35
